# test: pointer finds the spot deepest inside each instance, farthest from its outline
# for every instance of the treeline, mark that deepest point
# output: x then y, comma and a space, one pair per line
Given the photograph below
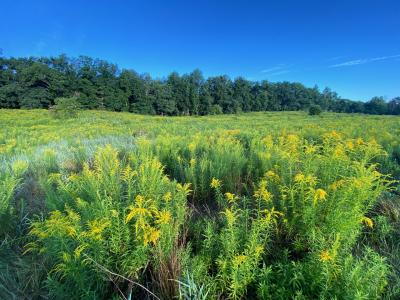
97, 84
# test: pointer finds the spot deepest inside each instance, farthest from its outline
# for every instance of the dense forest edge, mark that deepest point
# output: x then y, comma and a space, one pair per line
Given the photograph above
36, 82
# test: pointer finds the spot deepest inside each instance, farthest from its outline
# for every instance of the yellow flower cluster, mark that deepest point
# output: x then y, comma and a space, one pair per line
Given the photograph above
150, 235
147, 217
320, 194
239, 259
231, 198
337, 184
367, 222
271, 175
215, 183
163, 217
167, 196
230, 216
95, 229
325, 256
262, 192
309, 179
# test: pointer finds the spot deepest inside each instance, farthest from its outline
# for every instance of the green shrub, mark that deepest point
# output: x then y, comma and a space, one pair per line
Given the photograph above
314, 110
216, 110
65, 108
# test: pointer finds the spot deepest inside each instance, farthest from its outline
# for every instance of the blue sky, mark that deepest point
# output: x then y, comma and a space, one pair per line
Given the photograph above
351, 46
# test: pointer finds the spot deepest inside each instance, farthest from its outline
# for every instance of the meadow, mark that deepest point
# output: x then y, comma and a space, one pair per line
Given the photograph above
269, 205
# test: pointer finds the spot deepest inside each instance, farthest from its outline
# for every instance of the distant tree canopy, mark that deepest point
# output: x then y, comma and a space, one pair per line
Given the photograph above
97, 84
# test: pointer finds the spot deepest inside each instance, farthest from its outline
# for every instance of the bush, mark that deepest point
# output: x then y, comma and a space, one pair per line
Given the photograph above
65, 108
314, 110
216, 110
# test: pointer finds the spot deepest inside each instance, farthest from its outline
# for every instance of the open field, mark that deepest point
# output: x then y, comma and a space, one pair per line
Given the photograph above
276, 205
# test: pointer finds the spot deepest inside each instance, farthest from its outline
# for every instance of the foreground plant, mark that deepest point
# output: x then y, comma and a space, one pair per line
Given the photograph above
118, 214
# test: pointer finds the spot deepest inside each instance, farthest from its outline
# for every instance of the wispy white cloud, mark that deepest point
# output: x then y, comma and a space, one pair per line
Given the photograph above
364, 61
276, 70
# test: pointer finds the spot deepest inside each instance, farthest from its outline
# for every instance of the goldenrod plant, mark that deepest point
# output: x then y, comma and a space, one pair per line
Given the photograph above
119, 213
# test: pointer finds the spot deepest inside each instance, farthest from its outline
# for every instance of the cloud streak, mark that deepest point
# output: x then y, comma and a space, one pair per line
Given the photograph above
277, 70
274, 69
363, 61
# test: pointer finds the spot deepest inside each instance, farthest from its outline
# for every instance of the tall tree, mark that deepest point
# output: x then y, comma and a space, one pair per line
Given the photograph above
220, 88
376, 106
394, 106
242, 95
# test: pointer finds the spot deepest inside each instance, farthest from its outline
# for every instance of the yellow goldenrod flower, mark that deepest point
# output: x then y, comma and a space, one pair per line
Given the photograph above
359, 141
320, 194
154, 236
138, 209
230, 216
128, 174
367, 222
215, 183
311, 180
310, 149
299, 177
339, 151
350, 145
272, 175
151, 235
262, 192
268, 141
96, 227
335, 135
72, 215
271, 214
259, 250
239, 259
164, 217
292, 138
325, 256
337, 184
167, 196
358, 183
71, 231
232, 132
230, 197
